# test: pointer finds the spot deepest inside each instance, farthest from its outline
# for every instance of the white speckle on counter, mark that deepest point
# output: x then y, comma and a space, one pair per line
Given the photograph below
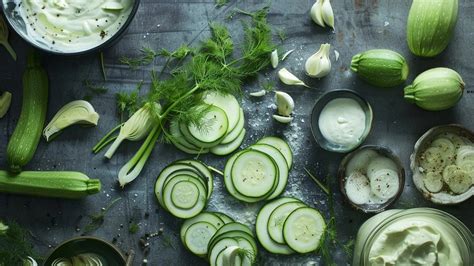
293, 134
336, 54
386, 23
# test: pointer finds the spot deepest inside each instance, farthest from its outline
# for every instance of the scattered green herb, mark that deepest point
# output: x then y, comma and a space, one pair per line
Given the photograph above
324, 188
211, 68
220, 3
282, 34
133, 228
102, 65
15, 244
167, 242
147, 56
93, 90
97, 220
268, 86
129, 103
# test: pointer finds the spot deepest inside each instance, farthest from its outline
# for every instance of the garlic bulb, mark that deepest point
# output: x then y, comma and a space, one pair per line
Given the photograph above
319, 65
322, 14
283, 119
137, 127
274, 58
5, 101
289, 79
75, 112
259, 93
284, 103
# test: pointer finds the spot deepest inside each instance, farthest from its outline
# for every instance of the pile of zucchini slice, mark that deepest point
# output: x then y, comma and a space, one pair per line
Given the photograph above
184, 187
218, 238
287, 225
224, 131
259, 172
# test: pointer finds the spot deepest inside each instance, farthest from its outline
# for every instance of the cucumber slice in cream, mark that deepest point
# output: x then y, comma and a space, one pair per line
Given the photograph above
380, 163
433, 182
432, 160
464, 153
360, 161
357, 188
448, 171
459, 181
384, 183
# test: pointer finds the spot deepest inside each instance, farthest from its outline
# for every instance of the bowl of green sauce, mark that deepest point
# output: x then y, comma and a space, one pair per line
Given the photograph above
66, 27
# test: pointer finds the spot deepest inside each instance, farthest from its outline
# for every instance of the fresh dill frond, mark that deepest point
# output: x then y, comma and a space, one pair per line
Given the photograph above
133, 228
180, 53
167, 242
268, 86
129, 103
93, 90
220, 3
15, 245
220, 45
147, 56
96, 220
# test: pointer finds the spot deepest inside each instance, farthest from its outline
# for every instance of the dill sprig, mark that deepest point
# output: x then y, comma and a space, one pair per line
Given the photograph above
210, 67
147, 56
15, 245
96, 220
93, 90
220, 3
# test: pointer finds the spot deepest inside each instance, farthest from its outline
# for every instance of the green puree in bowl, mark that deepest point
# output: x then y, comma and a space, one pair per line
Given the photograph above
73, 25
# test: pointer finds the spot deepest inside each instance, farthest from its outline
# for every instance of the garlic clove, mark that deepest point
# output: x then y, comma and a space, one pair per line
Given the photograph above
5, 101
285, 55
284, 103
259, 93
319, 65
75, 112
327, 13
316, 13
289, 79
274, 58
283, 119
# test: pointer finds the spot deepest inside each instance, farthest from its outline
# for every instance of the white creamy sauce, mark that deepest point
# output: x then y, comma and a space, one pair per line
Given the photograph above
342, 121
73, 25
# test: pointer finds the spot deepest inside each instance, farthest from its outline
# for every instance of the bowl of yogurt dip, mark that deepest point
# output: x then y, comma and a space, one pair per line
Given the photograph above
70, 27
419, 236
341, 120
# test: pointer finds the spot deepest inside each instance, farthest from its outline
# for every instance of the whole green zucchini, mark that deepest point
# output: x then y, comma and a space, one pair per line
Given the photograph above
435, 89
380, 67
54, 184
24, 140
430, 26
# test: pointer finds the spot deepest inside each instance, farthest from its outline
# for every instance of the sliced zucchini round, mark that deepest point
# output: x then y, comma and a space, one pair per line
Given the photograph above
232, 135
303, 230
261, 227
360, 161
357, 187
281, 145
234, 234
227, 103
229, 256
254, 174
224, 217
213, 129
214, 250
465, 153
380, 163
179, 212
458, 141
459, 181
445, 144
280, 161
228, 181
205, 173
225, 149
178, 138
184, 195
209, 217
433, 182
197, 237
385, 183
278, 217
448, 171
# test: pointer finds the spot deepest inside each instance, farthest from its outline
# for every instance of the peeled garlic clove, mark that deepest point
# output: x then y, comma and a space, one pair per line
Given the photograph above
259, 93
283, 119
285, 55
274, 59
327, 13
284, 103
319, 65
5, 101
316, 13
289, 79
75, 112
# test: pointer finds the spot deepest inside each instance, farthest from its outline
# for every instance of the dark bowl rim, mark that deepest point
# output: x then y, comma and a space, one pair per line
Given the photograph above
324, 95
386, 151
99, 47
93, 238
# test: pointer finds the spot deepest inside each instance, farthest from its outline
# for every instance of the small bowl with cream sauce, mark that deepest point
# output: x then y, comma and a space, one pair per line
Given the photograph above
371, 178
70, 27
341, 120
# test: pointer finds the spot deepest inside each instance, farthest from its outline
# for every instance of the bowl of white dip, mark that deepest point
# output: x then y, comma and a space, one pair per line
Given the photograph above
70, 27
341, 120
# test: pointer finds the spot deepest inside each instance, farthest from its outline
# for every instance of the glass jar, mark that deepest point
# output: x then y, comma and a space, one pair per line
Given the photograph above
451, 230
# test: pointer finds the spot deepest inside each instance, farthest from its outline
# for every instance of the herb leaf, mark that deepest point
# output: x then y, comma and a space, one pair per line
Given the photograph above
15, 244
147, 56
96, 220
